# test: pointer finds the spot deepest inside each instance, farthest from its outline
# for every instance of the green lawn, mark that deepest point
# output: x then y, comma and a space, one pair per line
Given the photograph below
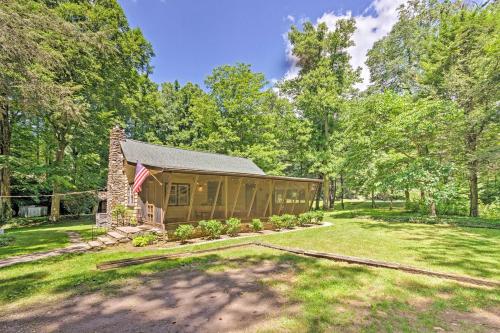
44, 237
323, 295
470, 251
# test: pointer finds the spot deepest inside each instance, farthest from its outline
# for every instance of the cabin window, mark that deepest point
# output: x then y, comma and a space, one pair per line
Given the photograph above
179, 195
150, 213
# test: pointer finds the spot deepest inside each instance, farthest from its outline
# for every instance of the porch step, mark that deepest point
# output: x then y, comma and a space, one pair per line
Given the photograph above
129, 232
117, 236
96, 245
108, 241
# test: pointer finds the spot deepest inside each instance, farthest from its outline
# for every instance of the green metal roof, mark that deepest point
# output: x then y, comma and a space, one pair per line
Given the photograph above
182, 159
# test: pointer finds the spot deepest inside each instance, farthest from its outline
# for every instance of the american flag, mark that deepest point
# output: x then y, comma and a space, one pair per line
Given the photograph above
141, 173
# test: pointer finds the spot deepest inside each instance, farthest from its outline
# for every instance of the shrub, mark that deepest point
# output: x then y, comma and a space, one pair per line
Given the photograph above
119, 212
491, 210
133, 220
233, 226
80, 204
288, 221
317, 216
211, 228
143, 240
6, 240
256, 225
276, 221
305, 218
184, 232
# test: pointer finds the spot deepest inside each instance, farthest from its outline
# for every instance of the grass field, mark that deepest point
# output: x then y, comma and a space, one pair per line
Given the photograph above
319, 295
44, 237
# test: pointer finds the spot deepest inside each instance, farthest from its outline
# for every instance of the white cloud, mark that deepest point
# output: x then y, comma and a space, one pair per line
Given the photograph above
369, 29
291, 18
293, 71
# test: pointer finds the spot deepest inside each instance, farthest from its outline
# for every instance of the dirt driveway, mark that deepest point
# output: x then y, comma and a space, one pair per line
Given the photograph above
179, 300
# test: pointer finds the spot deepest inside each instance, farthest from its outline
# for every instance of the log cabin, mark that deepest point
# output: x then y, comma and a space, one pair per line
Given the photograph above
186, 186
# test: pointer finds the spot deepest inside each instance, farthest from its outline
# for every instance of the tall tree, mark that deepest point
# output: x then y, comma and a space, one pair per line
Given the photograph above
462, 65
30, 54
324, 84
446, 51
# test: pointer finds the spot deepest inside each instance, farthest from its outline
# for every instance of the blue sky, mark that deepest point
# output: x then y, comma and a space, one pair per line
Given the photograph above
191, 37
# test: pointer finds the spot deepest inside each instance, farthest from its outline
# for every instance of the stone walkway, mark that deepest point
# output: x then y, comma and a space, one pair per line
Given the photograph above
77, 245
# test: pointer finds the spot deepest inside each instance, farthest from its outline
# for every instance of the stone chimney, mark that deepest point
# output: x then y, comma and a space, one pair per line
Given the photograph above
117, 180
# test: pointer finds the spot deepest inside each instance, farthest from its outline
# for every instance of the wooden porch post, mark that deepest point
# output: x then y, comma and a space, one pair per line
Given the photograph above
253, 199
191, 199
216, 198
293, 205
236, 196
273, 189
226, 187
167, 197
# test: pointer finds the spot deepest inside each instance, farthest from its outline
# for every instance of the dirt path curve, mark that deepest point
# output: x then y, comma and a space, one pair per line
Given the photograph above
177, 300
76, 245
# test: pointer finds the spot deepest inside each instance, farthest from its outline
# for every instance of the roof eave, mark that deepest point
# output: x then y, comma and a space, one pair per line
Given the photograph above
235, 174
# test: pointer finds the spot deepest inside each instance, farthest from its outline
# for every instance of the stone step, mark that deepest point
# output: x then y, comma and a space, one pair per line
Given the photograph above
148, 228
117, 236
108, 241
79, 246
96, 245
129, 232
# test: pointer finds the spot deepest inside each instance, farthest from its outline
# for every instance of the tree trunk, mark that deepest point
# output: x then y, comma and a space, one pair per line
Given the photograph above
326, 192
390, 201
6, 134
433, 208
373, 199
318, 195
422, 195
333, 193
55, 205
472, 166
342, 191
407, 198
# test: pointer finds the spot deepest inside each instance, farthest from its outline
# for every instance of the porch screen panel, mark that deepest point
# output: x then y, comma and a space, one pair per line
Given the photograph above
257, 207
248, 186
299, 198
279, 202
312, 195
236, 188
179, 199
202, 202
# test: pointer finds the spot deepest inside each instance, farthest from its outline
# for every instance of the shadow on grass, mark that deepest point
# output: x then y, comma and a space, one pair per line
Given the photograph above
470, 252
186, 296
234, 291
400, 215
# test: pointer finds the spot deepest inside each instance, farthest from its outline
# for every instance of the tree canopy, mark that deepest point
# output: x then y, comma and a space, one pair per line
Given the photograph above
425, 130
